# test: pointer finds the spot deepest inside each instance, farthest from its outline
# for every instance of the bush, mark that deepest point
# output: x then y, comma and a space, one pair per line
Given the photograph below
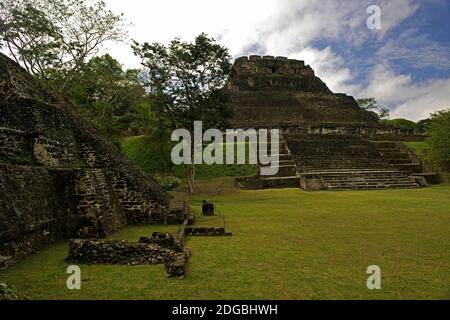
168, 182
439, 139
9, 293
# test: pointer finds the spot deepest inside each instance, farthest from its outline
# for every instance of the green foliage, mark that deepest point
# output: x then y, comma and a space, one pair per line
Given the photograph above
439, 138
168, 182
401, 124
424, 125
421, 149
142, 153
55, 38
9, 293
187, 80
146, 155
112, 97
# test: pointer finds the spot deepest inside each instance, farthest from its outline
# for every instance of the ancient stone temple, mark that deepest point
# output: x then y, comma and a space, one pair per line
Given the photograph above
327, 141
59, 178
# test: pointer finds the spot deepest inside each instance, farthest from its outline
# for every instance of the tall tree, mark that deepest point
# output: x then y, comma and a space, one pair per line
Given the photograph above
189, 79
48, 36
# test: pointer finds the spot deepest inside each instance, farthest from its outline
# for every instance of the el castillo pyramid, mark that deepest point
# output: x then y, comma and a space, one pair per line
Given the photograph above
328, 141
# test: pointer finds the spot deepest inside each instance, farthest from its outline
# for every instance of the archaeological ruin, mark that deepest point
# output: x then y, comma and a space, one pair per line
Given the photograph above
59, 179
327, 141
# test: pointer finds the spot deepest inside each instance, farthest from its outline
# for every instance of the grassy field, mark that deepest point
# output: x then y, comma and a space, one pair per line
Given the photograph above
287, 244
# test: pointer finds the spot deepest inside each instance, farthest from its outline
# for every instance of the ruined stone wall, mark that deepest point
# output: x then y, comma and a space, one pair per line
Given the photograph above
31, 214
256, 73
368, 131
59, 177
173, 256
116, 252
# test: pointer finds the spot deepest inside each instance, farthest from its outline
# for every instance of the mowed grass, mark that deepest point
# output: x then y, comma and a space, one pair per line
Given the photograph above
287, 244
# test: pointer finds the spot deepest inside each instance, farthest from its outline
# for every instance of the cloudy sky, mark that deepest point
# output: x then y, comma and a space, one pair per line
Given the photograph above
405, 65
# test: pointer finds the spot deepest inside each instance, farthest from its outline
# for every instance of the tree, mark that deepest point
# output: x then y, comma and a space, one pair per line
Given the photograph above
113, 98
188, 78
424, 125
439, 138
56, 36
371, 104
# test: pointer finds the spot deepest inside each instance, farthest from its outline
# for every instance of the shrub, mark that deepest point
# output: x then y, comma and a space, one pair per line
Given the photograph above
9, 293
168, 182
439, 139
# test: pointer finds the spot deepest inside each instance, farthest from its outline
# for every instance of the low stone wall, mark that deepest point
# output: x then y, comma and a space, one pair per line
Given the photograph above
176, 264
208, 232
165, 240
116, 252
161, 248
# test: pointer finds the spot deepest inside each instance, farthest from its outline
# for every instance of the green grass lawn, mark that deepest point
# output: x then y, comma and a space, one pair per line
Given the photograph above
287, 244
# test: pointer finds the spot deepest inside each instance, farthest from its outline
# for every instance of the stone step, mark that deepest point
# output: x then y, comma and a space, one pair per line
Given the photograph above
286, 171
401, 186
409, 167
280, 182
399, 161
348, 171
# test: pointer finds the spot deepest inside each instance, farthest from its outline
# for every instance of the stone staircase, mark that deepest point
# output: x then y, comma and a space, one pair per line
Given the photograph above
338, 162
363, 179
287, 176
398, 157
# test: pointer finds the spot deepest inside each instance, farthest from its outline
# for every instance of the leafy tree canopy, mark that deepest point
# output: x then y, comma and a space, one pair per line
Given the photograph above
439, 136
56, 36
189, 78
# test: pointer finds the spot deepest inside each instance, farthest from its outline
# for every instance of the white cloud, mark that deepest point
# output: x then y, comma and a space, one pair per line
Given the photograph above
293, 28
278, 27
411, 100
330, 67
417, 50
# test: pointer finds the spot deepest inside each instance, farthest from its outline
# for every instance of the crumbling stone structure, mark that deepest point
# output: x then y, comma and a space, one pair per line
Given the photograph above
160, 248
326, 138
59, 178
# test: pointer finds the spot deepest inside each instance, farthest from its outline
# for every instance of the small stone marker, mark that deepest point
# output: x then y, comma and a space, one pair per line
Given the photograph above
207, 208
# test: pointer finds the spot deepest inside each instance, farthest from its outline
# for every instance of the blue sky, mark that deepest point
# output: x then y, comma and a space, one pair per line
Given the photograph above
405, 65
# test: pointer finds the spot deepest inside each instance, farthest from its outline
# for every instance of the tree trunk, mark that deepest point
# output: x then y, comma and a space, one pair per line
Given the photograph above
191, 170
191, 177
